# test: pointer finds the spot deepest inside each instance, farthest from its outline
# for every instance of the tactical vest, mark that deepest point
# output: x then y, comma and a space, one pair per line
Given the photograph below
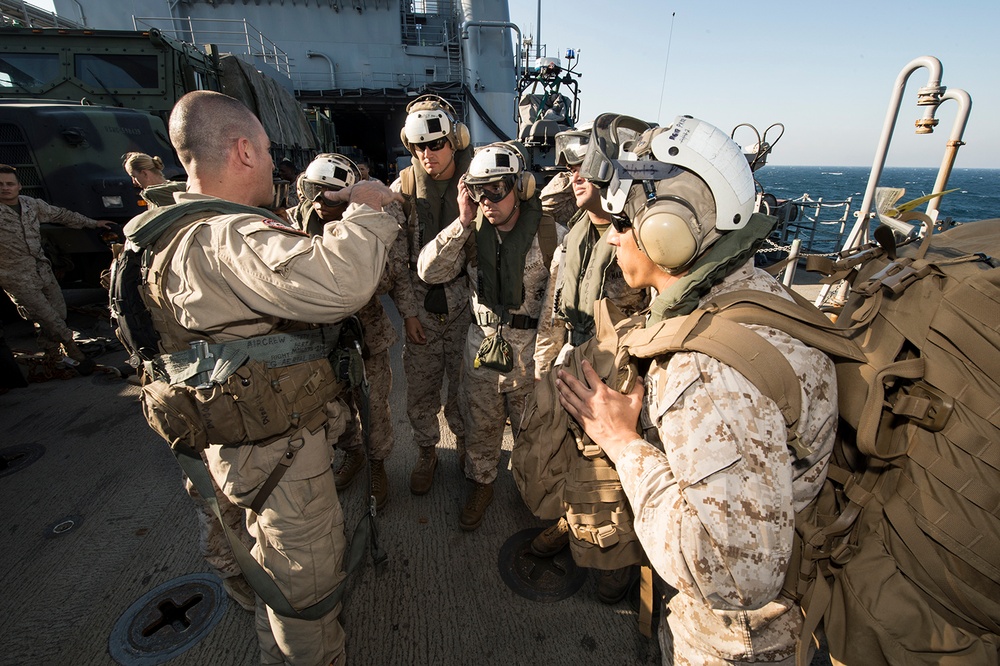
198, 391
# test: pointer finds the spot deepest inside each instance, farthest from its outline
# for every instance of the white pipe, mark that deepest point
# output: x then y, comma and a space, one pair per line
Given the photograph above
317, 54
928, 96
954, 143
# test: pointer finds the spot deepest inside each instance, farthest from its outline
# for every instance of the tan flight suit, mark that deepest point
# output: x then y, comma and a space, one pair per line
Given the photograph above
715, 500
379, 334
489, 397
26, 273
241, 276
427, 365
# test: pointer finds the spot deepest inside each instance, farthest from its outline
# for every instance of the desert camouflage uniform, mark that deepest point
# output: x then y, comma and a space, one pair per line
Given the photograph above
715, 508
427, 365
554, 337
379, 335
211, 537
239, 276
489, 397
25, 272
558, 199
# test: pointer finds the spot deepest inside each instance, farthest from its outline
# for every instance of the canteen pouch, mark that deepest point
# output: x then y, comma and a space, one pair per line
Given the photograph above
254, 404
495, 353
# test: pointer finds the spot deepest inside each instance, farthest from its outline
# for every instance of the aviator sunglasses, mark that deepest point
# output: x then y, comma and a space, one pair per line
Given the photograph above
435, 145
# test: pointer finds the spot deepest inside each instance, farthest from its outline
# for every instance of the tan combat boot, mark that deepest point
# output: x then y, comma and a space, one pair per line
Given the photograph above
380, 484
552, 540
350, 465
422, 476
239, 590
475, 507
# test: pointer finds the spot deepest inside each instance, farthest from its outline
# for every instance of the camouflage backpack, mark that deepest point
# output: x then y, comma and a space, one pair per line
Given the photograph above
897, 560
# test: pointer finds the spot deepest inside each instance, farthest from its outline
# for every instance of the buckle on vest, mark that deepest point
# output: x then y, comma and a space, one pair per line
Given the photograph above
924, 405
895, 277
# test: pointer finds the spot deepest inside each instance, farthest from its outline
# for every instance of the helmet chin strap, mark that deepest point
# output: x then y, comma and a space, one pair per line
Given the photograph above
517, 204
450, 162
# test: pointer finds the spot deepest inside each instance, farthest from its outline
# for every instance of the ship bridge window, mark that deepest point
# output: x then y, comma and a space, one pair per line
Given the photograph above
117, 71
28, 71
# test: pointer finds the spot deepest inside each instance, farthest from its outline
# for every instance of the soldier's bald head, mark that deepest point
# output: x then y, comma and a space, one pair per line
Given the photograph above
204, 126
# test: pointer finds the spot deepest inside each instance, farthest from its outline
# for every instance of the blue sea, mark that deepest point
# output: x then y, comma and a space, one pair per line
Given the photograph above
977, 196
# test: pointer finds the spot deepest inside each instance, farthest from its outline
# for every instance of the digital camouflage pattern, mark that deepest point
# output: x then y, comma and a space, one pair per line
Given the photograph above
25, 272
428, 365
558, 199
488, 396
715, 500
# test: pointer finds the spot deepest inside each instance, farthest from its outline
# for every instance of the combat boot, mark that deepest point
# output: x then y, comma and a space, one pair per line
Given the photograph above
613, 585
380, 484
422, 476
475, 507
350, 465
239, 590
552, 540
83, 364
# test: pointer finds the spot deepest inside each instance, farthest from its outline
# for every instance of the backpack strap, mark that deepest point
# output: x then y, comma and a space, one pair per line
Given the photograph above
408, 188
735, 345
547, 238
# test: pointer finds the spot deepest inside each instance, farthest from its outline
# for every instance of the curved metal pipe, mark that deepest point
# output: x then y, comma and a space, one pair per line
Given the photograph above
929, 96
333, 76
463, 31
933, 88
951, 148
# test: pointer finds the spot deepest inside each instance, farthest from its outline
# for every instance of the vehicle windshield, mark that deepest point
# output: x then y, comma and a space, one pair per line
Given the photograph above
117, 71
28, 70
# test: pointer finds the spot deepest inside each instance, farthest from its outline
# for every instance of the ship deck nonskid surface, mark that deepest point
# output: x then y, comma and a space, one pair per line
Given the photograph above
439, 599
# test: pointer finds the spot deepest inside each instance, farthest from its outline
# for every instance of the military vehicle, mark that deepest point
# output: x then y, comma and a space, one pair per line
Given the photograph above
74, 101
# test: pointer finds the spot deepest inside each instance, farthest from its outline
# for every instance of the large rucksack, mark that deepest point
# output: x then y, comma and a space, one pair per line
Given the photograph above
898, 558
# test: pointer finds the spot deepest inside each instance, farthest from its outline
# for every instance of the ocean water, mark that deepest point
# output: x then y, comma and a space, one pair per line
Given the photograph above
977, 196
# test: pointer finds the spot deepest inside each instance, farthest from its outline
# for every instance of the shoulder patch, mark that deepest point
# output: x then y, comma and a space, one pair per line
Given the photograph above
274, 224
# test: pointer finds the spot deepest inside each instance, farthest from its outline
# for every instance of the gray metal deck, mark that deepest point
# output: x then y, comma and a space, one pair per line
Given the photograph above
439, 599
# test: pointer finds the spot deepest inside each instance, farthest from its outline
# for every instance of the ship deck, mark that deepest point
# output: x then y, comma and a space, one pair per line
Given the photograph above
95, 518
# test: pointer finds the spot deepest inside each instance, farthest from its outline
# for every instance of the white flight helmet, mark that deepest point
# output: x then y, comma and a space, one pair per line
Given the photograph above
430, 117
500, 162
328, 171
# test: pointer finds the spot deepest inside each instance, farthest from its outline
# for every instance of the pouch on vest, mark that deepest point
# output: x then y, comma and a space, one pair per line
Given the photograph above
436, 302
254, 404
495, 353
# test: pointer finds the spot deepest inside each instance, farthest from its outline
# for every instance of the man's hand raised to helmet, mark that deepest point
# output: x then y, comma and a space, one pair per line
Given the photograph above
372, 193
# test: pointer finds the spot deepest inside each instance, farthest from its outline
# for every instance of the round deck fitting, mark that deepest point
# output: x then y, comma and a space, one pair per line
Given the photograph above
15, 458
543, 579
63, 526
168, 620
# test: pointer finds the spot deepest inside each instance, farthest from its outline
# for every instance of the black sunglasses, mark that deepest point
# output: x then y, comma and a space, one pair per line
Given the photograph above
435, 145
621, 223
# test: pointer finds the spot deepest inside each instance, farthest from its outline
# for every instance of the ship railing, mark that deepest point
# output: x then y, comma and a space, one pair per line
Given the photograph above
819, 225
236, 36
369, 80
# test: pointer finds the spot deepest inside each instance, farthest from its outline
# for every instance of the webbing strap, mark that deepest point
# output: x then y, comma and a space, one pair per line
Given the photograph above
646, 600
735, 345
925, 553
958, 480
261, 582
215, 361
972, 545
871, 413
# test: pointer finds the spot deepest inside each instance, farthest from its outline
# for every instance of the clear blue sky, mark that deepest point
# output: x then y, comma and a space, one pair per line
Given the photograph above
825, 70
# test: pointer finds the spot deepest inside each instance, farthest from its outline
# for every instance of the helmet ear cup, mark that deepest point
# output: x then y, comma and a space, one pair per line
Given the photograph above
667, 232
525, 185
460, 136
402, 137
